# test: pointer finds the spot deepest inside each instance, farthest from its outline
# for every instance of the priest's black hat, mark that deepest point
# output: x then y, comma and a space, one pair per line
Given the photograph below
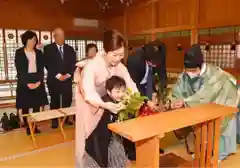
193, 58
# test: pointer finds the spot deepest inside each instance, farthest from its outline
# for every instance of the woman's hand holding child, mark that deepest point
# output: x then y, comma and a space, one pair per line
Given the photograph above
113, 107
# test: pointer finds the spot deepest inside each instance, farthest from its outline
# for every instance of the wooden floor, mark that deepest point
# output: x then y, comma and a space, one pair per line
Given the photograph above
16, 150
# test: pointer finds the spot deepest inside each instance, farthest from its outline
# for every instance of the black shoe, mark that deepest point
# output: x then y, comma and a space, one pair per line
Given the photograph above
161, 151
5, 122
14, 121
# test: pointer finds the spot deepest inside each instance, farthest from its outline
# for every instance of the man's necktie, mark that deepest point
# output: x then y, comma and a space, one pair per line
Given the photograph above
149, 86
61, 51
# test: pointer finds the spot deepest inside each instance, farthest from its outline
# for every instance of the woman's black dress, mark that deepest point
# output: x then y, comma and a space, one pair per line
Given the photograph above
25, 97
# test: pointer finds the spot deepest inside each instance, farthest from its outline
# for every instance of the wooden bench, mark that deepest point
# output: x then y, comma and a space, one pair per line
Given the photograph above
60, 114
145, 132
33, 118
21, 115
69, 111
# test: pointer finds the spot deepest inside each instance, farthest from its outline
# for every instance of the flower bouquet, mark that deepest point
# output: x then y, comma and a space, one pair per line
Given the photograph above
146, 111
133, 106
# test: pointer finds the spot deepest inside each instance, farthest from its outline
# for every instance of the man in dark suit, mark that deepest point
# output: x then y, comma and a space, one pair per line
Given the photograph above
60, 60
144, 63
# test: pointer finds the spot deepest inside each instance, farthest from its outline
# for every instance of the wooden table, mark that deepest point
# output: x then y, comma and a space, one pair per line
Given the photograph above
145, 132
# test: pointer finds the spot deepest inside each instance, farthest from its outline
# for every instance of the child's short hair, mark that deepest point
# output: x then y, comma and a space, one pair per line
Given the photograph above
115, 82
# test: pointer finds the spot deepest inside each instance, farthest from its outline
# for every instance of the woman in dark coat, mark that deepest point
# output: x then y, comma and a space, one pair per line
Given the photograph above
30, 90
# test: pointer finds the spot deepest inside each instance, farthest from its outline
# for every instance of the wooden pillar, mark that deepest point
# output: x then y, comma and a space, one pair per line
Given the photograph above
194, 36
5, 56
194, 30
153, 20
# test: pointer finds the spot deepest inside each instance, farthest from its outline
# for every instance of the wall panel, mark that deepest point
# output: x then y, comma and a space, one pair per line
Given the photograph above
115, 23
214, 13
172, 13
177, 13
136, 43
174, 58
139, 19
162, 16
44, 15
27, 14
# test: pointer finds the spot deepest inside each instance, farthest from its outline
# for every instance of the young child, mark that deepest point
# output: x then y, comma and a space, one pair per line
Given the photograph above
103, 146
116, 89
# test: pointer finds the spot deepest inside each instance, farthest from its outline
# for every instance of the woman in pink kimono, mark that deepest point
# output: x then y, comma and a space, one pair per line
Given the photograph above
91, 87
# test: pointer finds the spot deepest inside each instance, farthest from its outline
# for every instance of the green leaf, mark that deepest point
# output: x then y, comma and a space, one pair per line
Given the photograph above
137, 94
132, 102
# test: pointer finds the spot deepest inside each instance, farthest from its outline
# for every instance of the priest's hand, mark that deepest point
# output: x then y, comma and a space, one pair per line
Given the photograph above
177, 104
161, 107
153, 106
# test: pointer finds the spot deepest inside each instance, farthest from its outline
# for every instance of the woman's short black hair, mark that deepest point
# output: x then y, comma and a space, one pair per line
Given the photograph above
28, 35
91, 45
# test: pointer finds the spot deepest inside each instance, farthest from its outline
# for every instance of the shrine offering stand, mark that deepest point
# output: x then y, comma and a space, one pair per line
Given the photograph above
146, 131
